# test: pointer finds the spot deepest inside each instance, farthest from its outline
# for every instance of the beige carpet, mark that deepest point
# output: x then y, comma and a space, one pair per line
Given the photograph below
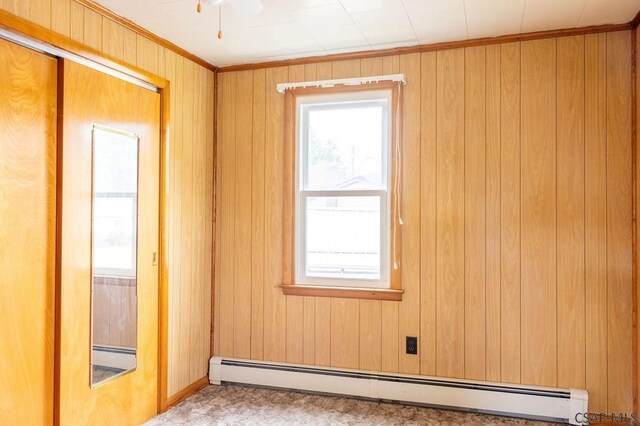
239, 405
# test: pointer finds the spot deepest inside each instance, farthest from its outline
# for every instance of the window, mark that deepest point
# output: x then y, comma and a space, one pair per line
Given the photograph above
343, 220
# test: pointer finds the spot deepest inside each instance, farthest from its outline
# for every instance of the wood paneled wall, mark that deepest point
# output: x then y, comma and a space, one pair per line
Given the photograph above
190, 170
115, 313
517, 209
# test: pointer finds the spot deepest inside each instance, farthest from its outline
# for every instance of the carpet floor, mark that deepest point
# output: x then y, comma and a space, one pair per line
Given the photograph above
240, 405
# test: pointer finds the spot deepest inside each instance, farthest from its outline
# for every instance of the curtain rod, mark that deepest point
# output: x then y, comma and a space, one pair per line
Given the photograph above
282, 87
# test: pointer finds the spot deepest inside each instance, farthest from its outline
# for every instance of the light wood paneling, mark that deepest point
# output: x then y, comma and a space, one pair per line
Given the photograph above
428, 146
510, 302
493, 218
113, 36
114, 312
228, 98
538, 203
475, 213
92, 29
504, 146
27, 234
596, 220
60, 17
40, 12
571, 213
450, 213
187, 210
257, 215
275, 304
189, 99
242, 211
619, 187
76, 21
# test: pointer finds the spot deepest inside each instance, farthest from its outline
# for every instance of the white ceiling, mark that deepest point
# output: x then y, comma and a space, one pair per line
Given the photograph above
296, 28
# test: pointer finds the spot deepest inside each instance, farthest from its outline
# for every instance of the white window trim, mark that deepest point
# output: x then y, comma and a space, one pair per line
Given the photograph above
384, 282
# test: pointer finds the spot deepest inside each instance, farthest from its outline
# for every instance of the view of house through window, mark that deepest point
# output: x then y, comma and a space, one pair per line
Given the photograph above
343, 184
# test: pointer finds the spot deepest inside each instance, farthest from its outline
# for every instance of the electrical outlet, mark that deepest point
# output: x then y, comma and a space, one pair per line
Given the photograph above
412, 345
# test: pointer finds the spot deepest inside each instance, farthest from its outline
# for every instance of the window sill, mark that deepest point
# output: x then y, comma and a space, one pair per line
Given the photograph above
343, 292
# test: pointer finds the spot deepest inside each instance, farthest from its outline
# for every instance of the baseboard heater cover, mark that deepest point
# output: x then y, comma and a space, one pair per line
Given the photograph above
113, 357
531, 402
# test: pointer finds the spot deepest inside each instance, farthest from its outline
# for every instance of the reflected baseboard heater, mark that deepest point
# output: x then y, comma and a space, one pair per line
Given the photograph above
531, 402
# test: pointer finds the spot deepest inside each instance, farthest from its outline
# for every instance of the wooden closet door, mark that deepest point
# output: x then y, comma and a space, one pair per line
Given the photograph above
93, 98
27, 234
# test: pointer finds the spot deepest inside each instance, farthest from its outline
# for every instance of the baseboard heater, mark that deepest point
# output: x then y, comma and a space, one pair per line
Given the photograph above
530, 402
113, 357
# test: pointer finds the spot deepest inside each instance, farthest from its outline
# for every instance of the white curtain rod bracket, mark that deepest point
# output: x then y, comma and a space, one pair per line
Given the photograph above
399, 78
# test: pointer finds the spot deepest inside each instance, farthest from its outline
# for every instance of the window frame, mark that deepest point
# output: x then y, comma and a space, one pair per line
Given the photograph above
389, 286
304, 105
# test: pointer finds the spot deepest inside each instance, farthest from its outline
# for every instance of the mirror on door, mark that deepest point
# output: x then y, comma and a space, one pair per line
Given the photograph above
114, 254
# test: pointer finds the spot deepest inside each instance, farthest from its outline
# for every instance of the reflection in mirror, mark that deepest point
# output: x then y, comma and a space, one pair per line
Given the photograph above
114, 255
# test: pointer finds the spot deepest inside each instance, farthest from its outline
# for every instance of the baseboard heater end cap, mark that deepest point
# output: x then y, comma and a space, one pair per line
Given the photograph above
215, 373
578, 404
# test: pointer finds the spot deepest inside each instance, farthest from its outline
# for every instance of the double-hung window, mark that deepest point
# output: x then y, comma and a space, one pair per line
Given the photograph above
343, 203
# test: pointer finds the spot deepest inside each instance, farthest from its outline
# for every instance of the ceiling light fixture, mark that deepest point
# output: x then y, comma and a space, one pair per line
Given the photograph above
240, 8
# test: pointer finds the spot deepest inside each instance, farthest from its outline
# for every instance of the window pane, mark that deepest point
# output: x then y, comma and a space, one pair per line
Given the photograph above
343, 237
345, 147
